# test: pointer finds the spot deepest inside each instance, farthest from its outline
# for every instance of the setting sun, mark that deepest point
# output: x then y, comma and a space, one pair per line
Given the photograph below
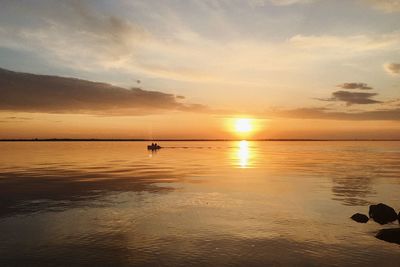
243, 125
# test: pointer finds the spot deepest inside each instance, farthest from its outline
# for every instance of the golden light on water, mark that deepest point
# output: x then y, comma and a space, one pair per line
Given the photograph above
243, 153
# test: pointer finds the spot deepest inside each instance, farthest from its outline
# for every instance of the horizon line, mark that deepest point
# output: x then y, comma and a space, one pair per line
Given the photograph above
185, 139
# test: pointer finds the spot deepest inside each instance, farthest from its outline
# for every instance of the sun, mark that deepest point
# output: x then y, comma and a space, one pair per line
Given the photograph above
243, 125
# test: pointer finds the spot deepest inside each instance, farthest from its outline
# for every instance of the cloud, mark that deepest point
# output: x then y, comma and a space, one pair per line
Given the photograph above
327, 114
156, 42
290, 2
355, 97
351, 98
280, 2
24, 92
388, 6
392, 68
351, 43
350, 86
92, 38
159, 40
13, 119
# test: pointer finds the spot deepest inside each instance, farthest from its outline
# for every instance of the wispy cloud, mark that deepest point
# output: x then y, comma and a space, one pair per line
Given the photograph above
176, 50
281, 2
351, 43
325, 113
14, 119
350, 86
388, 6
23, 92
392, 68
92, 38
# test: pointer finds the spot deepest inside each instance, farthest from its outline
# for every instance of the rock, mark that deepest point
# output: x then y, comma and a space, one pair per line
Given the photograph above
389, 235
361, 218
382, 213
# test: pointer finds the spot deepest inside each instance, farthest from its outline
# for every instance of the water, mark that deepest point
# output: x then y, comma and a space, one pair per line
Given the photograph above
195, 203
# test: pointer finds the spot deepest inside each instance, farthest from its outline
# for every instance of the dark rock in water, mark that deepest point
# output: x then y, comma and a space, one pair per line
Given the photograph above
382, 213
361, 218
398, 217
389, 235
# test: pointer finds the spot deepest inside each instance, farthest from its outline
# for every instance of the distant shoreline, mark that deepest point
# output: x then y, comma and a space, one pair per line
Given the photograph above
181, 140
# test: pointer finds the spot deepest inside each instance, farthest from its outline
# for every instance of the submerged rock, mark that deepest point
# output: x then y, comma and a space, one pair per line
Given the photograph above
382, 213
361, 218
389, 235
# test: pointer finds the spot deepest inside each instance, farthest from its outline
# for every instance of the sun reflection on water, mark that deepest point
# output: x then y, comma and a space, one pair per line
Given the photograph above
243, 153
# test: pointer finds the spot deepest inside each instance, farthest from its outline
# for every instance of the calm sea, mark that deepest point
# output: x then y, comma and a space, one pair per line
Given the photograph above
195, 203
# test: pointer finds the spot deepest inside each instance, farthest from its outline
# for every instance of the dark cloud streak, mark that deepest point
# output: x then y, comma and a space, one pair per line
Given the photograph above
24, 92
351, 98
355, 97
350, 86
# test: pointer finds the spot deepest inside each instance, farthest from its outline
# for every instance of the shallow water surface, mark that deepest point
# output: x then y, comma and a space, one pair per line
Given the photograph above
195, 203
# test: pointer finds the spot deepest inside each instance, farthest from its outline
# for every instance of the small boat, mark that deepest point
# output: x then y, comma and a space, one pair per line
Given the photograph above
153, 147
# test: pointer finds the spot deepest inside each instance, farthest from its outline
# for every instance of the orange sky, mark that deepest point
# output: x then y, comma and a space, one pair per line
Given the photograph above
197, 126
166, 69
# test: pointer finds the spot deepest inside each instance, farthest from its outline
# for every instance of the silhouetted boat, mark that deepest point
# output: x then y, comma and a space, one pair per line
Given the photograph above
153, 147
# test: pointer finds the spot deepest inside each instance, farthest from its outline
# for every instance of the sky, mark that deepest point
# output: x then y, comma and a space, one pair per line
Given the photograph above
191, 69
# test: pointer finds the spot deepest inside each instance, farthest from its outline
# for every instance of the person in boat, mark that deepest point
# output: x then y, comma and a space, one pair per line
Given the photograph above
153, 146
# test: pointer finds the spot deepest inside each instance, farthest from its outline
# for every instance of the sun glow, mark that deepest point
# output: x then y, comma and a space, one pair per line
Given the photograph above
244, 128
243, 125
